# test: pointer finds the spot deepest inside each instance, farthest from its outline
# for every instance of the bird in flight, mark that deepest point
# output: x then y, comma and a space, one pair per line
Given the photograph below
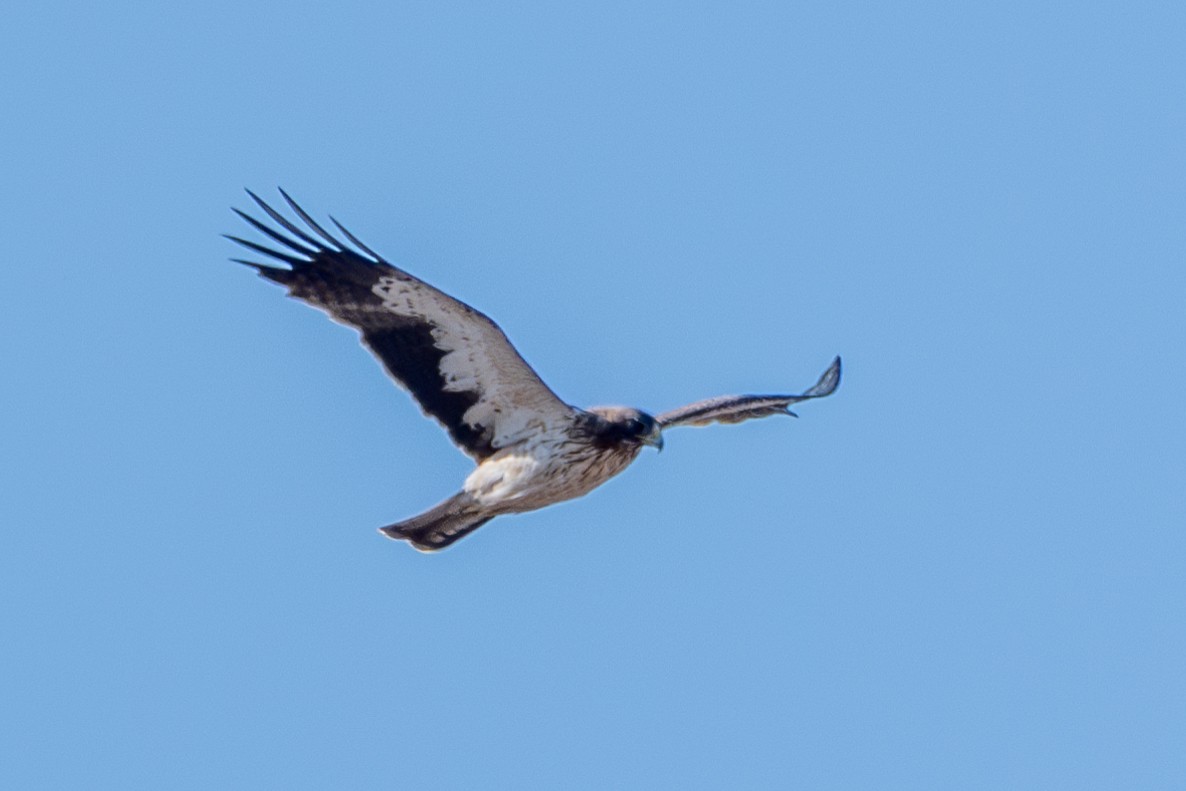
531, 448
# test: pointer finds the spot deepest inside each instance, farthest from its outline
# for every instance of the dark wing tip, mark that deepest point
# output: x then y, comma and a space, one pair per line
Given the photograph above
301, 247
828, 382
308, 220
284, 222
274, 273
355, 240
276, 236
259, 248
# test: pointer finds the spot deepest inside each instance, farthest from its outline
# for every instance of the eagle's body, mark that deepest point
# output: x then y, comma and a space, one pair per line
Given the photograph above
546, 468
531, 448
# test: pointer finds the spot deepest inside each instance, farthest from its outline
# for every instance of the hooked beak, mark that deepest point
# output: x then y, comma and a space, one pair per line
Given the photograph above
655, 440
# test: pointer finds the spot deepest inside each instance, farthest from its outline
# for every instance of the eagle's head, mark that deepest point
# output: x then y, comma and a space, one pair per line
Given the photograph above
621, 425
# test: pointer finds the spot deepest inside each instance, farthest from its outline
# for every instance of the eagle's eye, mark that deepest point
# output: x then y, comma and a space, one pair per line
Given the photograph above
635, 427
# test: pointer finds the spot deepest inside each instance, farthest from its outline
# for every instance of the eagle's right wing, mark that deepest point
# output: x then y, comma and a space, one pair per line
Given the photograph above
454, 360
734, 409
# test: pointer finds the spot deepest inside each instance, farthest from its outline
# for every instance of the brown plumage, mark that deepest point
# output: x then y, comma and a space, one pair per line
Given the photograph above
531, 448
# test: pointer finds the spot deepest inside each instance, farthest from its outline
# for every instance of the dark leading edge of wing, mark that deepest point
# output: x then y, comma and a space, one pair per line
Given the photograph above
328, 274
734, 409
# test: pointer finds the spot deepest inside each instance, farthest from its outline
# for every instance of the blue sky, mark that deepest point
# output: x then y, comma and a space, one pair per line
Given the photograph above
966, 569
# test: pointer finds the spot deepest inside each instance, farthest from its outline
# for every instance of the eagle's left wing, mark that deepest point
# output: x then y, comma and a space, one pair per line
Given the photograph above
455, 361
734, 409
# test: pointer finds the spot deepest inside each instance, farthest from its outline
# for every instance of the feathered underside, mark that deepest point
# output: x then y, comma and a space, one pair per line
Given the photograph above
454, 360
734, 409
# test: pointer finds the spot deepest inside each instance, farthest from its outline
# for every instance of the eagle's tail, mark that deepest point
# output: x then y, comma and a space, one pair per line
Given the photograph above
441, 525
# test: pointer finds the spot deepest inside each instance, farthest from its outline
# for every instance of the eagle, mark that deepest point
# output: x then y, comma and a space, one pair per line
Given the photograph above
531, 448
